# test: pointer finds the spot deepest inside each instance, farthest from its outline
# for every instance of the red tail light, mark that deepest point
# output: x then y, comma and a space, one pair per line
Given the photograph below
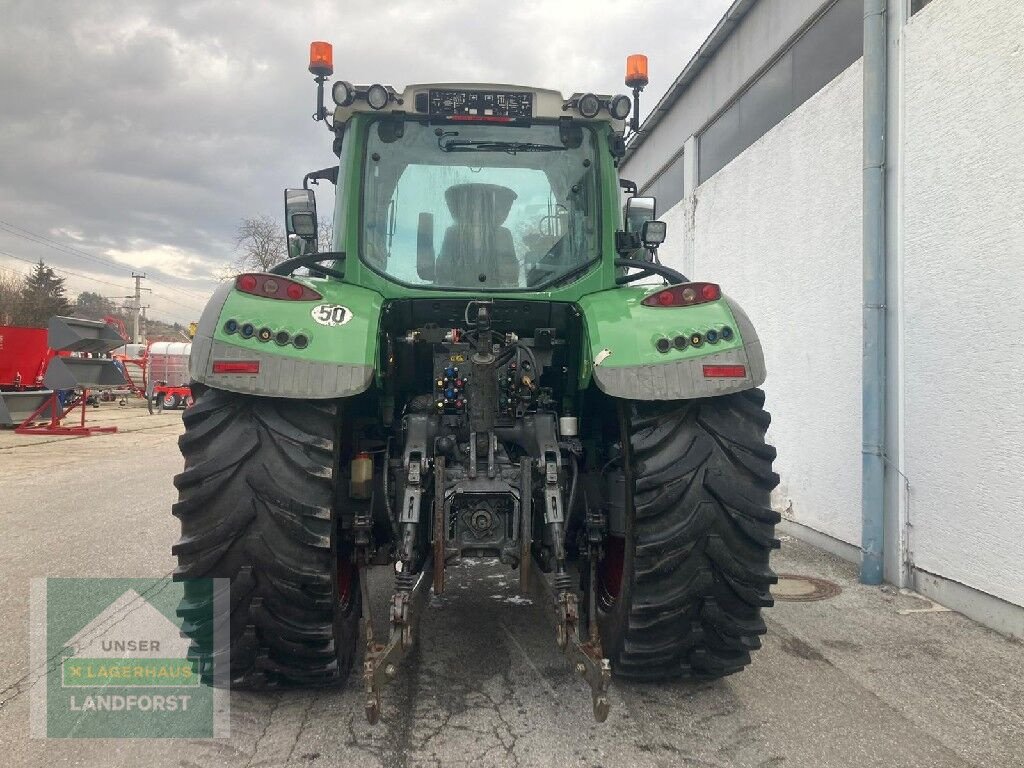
684, 295
275, 287
236, 366
725, 372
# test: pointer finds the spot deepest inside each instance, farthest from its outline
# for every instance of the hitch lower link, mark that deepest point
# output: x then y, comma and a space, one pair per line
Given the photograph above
380, 664
586, 656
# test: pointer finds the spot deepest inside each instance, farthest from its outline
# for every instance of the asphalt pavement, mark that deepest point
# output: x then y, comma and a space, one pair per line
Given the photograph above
868, 677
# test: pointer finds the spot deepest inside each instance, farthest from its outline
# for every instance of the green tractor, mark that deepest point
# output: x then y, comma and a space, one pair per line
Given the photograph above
492, 362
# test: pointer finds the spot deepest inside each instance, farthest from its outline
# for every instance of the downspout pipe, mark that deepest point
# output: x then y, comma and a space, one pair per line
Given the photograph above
873, 373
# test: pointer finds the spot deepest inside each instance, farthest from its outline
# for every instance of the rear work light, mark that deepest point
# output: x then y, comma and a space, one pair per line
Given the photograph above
274, 287
684, 295
236, 366
725, 372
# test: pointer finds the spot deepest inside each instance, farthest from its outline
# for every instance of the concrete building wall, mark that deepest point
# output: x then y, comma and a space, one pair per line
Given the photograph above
963, 300
779, 228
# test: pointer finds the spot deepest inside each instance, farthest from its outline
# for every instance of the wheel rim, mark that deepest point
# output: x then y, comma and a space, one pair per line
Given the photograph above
610, 569
169, 401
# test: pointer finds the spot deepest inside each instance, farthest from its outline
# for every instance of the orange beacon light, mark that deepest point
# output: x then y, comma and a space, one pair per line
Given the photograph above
321, 59
636, 71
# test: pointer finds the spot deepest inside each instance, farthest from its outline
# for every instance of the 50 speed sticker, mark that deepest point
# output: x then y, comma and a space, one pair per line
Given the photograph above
331, 314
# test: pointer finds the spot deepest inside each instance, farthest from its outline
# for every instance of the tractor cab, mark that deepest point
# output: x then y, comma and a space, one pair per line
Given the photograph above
483, 188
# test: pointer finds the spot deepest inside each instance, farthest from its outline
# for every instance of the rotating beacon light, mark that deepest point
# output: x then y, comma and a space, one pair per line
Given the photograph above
321, 65
636, 78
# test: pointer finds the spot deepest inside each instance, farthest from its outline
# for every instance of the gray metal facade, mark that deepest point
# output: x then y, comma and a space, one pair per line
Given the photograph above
764, 59
668, 186
830, 44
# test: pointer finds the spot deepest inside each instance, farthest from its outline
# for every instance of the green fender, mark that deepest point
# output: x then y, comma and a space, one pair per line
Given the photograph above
625, 362
339, 359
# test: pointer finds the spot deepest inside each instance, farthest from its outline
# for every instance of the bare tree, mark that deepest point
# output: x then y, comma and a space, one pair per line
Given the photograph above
11, 284
324, 236
260, 244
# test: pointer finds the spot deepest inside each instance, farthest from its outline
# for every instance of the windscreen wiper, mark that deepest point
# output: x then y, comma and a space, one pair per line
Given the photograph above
511, 147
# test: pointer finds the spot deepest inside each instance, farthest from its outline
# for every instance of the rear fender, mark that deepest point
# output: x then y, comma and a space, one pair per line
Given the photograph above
339, 359
624, 361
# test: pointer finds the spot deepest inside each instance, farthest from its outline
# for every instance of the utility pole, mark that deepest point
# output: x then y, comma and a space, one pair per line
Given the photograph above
136, 307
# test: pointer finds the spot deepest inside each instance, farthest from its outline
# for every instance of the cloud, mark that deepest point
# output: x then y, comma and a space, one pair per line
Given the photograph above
142, 133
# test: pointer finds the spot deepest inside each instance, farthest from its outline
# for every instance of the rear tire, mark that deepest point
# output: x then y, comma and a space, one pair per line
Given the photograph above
685, 598
256, 507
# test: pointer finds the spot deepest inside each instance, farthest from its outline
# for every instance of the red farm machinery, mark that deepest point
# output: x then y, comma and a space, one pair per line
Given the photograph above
47, 373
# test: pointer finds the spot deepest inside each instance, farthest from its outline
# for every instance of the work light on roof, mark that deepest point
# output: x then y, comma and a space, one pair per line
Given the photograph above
377, 96
343, 93
619, 106
588, 105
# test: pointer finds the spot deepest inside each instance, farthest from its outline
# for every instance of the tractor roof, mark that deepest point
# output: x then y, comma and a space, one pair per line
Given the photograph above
483, 102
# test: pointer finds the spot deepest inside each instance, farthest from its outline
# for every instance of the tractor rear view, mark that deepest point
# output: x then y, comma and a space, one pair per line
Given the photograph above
475, 371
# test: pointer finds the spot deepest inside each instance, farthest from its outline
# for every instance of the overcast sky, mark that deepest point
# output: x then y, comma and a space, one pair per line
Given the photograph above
139, 133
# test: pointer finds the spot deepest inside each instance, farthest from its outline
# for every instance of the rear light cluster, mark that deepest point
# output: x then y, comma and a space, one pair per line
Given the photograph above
696, 340
684, 295
275, 287
263, 333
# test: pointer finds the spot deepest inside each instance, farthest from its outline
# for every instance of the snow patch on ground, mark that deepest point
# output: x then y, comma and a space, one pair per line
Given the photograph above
513, 599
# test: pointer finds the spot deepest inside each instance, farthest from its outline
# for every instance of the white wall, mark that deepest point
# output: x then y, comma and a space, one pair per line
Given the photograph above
780, 229
964, 292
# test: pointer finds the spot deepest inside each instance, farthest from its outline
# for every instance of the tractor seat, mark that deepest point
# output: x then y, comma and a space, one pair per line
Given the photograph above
477, 243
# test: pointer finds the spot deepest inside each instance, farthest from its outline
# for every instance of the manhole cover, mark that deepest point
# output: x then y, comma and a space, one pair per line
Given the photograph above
803, 589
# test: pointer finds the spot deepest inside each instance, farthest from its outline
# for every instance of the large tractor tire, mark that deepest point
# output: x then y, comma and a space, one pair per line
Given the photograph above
681, 594
257, 506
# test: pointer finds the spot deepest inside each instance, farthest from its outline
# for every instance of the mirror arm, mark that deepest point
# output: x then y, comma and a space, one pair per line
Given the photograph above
668, 273
625, 279
330, 174
288, 266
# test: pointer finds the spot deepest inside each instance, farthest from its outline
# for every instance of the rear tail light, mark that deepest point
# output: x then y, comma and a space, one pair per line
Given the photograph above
684, 295
236, 366
725, 372
275, 287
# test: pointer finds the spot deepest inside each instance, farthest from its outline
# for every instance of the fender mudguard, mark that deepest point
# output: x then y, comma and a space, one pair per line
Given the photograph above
337, 359
624, 359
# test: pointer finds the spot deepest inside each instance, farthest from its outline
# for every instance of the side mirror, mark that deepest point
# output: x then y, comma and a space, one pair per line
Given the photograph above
640, 210
300, 221
426, 263
652, 234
